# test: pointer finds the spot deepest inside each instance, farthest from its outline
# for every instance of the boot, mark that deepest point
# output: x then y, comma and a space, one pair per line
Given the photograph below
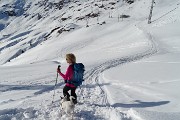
74, 101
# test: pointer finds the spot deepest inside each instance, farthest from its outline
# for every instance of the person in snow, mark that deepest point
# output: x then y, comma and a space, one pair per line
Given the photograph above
70, 59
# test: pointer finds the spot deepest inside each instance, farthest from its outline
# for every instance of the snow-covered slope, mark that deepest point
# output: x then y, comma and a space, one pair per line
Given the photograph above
131, 66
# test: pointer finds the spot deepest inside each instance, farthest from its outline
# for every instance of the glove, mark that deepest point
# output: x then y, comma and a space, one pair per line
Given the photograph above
58, 69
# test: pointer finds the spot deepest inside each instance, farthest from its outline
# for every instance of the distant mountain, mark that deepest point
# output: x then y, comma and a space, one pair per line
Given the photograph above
21, 21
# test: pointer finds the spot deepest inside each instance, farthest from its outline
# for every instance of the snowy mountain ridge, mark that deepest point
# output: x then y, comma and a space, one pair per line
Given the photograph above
52, 16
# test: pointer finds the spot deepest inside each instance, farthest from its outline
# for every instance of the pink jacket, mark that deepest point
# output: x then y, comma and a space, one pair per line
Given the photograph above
68, 75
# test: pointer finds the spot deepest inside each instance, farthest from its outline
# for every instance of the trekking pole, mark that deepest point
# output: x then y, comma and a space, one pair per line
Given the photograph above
55, 84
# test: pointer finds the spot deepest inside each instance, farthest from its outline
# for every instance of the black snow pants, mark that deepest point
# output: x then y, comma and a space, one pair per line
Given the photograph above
66, 93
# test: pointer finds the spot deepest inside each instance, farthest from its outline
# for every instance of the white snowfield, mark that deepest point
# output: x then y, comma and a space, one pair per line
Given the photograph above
132, 68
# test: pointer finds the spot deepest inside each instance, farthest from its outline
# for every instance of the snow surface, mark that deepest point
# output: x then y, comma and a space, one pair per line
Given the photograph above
131, 66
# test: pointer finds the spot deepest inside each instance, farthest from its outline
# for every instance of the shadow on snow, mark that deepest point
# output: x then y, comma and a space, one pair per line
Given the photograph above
140, 104
41, 88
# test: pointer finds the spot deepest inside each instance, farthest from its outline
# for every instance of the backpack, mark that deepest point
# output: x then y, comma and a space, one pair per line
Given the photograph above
78, 74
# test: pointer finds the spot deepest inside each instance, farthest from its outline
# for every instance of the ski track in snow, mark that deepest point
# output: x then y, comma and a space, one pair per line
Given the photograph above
93, 74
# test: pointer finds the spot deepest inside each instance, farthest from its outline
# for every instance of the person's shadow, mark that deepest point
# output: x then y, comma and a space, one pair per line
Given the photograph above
140, 104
